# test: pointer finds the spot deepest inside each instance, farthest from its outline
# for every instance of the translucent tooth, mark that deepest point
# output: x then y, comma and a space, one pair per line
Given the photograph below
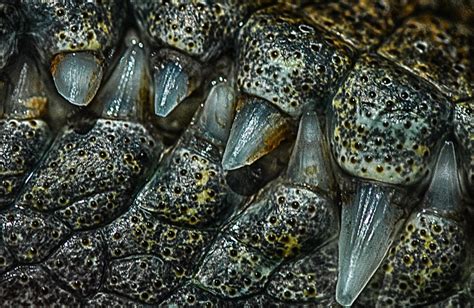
218, 112
309, 162
171, 87
126, 91
28, 99
444, 192
77, 76
368, 228
258, 128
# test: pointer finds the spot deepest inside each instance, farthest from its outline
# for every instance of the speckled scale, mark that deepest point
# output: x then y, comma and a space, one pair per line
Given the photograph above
79, 263
364, 24
189, 188
286, 220
31, 236
201, 29
103, 299
435, 49
423, 266
192, 296
6, 258
32, 286
64, 26
387, 124
10, 26
285, 60
232, 270
464, 133
310, 279
22, 145
87, 177
139, 232
144, 278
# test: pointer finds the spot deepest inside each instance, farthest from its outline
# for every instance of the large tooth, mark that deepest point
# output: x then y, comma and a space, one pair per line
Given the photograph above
444, 193
171, 85
127, 89
218, 112
77, 76
309, 160
368, 227
258, 128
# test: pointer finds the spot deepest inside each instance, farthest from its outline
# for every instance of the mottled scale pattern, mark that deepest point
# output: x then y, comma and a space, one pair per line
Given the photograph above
31, 236
286, 220
32, 286
89, 174
201, 29
79, 263
311, 278
23, 143
66, 26
464, 133
435, 49
424, 264
103, 299
192, 296
387, 124
139, 232
364, 24
143, 278
231, 269
189, 188
285, 60
10, 26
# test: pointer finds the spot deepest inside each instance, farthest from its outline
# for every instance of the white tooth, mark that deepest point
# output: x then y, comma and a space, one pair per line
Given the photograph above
368, 227
28, 99
77, 76
218, 112
171, 85
309, 162
125, 93
258, 128
444, 192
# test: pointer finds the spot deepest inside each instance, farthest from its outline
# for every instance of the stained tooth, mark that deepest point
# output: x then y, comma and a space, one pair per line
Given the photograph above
308, 162
258, 128
77, 76
367, 231
171, 87
218, 112
124, 90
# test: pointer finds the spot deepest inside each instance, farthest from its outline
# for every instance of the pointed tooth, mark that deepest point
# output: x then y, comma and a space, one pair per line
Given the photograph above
309, 160
126, 89
171, 85
258, 128
77, 76
444, 192
218, 112
369, 225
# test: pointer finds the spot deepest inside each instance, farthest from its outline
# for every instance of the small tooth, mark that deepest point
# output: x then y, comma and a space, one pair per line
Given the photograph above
309, 162
369, 225
218, 112
125, 90
444, 192
171, 85
258, 128
77, 76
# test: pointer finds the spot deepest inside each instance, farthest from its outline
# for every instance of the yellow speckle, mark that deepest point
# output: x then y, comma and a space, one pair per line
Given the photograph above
290, 245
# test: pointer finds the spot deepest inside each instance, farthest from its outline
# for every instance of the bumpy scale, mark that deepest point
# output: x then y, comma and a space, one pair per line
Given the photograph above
76, 39
292, 215
464, 133
189, 34
427, 261
10, 25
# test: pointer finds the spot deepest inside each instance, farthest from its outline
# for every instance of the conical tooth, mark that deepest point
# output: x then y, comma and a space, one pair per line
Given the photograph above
218, 112
28, 99
77, 76
171, 85
368, 228
444, 192
126, 90
258, 128
309, 160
